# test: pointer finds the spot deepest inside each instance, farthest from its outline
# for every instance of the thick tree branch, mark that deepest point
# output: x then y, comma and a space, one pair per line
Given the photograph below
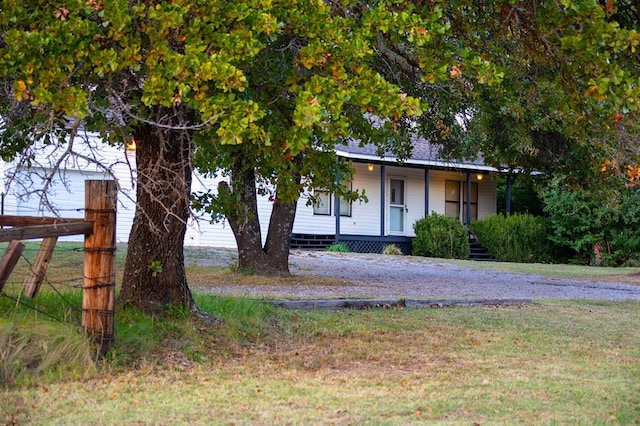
403, 63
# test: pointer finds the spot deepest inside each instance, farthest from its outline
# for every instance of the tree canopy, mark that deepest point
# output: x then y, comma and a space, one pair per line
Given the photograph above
570, 87
158, 72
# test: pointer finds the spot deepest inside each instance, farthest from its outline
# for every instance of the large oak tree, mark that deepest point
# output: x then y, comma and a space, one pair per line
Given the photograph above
156, 72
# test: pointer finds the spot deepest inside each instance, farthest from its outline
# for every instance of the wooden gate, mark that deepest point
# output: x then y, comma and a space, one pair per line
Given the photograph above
99, 229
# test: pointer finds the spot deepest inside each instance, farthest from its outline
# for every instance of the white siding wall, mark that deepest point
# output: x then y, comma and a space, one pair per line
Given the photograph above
308, 223
201, 232
365, 216
487, 196
437, 180
69, 201
66, 194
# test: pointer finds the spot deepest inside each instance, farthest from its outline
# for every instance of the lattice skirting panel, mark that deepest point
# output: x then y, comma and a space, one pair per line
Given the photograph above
375, 246
355, 243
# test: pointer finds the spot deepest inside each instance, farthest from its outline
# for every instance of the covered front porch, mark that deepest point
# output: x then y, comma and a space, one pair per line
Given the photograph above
397, 197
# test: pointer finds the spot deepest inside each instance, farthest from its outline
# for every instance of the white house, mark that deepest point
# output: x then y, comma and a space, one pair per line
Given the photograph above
398, 195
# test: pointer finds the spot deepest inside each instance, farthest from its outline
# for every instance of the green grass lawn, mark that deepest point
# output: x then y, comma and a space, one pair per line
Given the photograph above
551, 362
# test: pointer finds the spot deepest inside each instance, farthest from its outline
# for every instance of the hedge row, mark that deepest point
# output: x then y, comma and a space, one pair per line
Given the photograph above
515, 238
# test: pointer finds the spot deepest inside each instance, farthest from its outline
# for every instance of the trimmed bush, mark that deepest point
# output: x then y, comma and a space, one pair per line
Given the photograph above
440, 236
515, 238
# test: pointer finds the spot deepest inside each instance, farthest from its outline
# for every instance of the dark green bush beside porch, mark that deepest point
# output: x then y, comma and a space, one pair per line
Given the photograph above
515, 238
440, 236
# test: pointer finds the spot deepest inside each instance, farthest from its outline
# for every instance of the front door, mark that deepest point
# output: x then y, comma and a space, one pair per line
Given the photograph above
397, 206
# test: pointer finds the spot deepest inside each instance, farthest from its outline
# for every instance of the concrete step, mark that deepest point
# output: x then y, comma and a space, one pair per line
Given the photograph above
478, 252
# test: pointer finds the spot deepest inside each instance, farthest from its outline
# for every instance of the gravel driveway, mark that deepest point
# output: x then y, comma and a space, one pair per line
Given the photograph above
371, 275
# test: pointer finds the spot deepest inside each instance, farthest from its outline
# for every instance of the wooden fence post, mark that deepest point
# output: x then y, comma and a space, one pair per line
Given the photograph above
98, 295
9, 260
34, 282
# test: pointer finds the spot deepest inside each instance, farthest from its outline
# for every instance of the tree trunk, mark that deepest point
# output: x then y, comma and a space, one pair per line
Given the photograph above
154, 276
279, 236
244, 220
273, 259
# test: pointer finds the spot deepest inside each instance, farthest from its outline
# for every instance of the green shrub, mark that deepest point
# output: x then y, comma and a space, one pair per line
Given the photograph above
440, 236
338, 248
607, 218
625, 239
392, 249
515, 238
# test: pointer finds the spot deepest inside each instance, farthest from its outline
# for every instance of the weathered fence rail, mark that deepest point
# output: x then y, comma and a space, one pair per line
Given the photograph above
311, 304
32, 232
98, 227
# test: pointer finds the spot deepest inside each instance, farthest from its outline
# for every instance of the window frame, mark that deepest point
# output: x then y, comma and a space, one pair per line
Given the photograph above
348, 204
322, 203
448, 201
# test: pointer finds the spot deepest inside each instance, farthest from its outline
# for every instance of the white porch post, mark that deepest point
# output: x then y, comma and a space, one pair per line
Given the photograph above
426, 192
383, 178
468, 200
336, 211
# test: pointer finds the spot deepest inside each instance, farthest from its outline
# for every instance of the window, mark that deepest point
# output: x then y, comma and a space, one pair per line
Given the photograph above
452, 198
345, 205
322, 205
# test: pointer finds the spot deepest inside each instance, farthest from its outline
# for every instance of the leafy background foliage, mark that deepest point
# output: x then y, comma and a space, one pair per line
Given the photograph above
586, 220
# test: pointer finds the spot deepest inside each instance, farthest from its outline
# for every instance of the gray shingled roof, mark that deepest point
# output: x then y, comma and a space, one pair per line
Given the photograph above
424, 154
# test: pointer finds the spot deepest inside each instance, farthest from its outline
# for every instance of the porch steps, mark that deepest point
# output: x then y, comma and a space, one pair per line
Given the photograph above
478, 252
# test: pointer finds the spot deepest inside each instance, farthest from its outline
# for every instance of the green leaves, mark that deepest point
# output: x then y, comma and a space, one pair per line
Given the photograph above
290, 77
585, 219
308, 111
171, 52
440, 236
